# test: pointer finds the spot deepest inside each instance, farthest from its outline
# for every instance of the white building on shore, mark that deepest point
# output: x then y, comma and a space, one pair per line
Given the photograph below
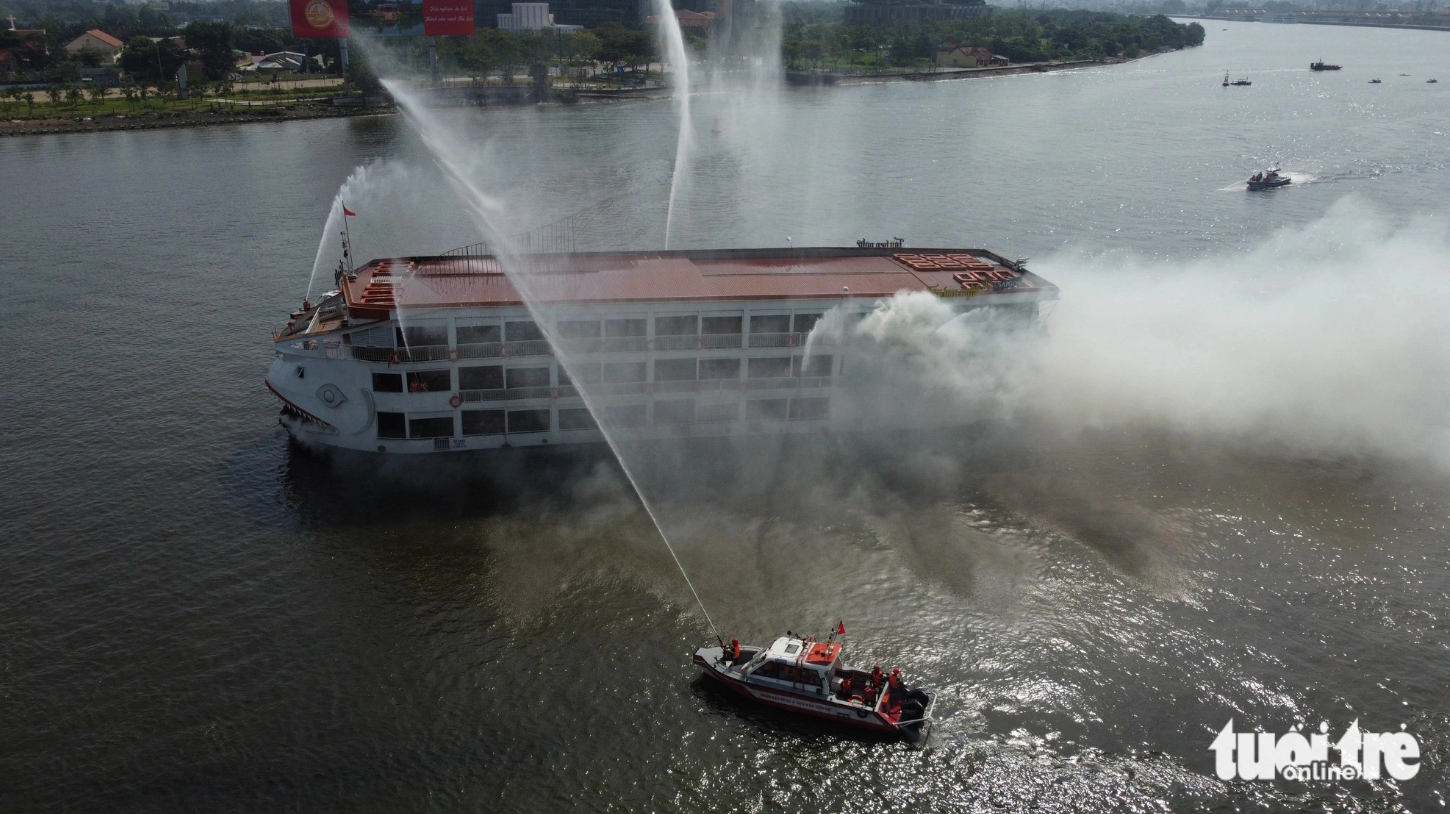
532, 17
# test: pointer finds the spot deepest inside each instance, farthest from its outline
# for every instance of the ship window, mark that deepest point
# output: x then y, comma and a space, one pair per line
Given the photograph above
626, 327
767, 409
523, 331
768, 367
674, 370
805, 322
718, 413
677, 326
675, 411
482, 377
770, 669
792, 648
720, 325
374, 338
478, 334
719, 368
528, 377
770, 324
584, 373
430, 381
528, 421
576, 418
483, 422
387, 382
625, 415
813, 409
413, 336
818, 366
391, 425
441, 427
578, 329
616, 372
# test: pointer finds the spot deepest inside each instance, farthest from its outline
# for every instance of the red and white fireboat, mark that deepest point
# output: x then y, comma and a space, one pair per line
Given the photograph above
804, 675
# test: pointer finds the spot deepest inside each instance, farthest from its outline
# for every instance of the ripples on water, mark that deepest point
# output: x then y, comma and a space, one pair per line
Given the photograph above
198, 616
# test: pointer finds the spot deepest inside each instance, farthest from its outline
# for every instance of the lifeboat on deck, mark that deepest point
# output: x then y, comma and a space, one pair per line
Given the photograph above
807, 676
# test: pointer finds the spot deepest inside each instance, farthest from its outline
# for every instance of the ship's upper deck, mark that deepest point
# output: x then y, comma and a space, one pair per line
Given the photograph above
383, 286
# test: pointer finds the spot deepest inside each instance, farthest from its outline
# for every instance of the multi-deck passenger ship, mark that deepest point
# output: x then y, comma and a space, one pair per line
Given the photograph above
432, 354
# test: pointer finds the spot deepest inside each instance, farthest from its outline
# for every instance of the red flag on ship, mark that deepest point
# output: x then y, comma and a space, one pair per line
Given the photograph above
840, 628
349, 212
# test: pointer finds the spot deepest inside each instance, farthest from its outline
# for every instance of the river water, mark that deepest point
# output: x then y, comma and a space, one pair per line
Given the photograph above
1226, 496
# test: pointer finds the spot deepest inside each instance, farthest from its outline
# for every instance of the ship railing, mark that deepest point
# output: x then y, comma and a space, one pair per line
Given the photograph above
489, 350
507, 394
782, 340
367, 354
417, 353
484, 350
788, 383
610, 344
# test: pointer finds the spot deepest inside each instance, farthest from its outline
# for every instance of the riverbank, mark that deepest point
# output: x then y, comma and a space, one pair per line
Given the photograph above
158, 119
470, 95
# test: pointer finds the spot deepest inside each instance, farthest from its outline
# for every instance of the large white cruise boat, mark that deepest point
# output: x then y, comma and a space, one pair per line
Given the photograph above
432, 354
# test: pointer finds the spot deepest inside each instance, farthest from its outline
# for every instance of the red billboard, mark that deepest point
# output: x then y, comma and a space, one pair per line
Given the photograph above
319, 18
447, 18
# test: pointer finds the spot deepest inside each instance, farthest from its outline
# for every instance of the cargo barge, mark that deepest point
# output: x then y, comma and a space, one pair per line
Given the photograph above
424, 355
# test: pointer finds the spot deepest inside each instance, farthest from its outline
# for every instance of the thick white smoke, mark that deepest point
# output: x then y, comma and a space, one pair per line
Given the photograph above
1328, 339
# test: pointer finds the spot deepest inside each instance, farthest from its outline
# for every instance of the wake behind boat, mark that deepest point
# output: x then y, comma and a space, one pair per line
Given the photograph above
803, 675
1268, 180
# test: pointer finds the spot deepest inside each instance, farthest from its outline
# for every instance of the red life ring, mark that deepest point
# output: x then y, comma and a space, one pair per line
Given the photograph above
455, 400
453, 355
395, 358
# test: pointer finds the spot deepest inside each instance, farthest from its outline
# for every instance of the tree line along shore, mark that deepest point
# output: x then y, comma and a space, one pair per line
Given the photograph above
55, 89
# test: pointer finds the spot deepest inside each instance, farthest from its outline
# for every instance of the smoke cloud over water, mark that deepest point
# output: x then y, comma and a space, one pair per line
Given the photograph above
1327, 340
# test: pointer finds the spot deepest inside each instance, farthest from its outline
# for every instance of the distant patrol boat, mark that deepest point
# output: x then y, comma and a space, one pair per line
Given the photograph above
438, 354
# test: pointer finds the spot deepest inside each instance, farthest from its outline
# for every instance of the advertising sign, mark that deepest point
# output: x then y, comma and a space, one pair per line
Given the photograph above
448, 18
386, 18
319, 18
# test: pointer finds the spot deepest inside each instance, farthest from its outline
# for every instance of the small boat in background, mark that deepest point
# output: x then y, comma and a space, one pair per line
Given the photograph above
1431, 81
1375, 82
1242, 82
1268, 180
1321, 65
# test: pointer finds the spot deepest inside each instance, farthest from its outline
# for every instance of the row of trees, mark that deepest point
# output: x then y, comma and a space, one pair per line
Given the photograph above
494, 50
1019, 35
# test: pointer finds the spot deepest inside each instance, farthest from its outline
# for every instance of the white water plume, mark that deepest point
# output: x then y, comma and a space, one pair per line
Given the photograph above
486, 211
680, 60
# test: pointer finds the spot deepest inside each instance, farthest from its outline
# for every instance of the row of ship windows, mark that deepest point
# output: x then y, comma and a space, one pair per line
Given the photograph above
529, 331
497, 377
667, 412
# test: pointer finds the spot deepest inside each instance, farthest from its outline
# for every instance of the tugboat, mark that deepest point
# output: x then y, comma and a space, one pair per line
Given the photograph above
1241, 82
1374, 82
801, 674
1321, 65
1268, 180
